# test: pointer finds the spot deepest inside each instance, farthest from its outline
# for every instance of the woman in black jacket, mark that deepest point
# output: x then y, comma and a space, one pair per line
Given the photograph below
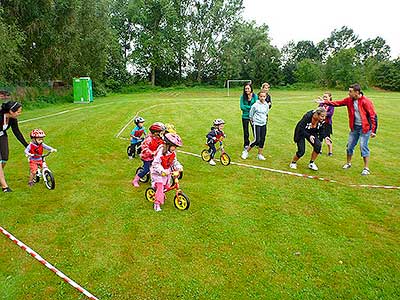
9, 113
309, 128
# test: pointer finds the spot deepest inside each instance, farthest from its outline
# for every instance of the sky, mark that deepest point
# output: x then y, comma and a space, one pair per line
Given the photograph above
315, 20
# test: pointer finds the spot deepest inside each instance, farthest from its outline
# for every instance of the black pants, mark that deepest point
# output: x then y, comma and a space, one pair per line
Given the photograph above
259, 136
212, 148
3, 148
245, 124
301, 146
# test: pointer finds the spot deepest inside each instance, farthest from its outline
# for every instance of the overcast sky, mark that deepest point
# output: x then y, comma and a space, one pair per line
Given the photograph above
315, 20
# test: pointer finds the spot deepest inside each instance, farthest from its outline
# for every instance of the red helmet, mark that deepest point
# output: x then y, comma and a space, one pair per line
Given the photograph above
173, 139
157, 127
37, 133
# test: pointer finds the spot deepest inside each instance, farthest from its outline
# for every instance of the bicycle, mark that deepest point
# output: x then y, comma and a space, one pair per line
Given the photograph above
146, 177
224, 157
181, 201
134, 149
44, 171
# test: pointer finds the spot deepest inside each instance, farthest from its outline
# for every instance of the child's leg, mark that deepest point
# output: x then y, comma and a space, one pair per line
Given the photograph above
212, 149
159, 193
33, 168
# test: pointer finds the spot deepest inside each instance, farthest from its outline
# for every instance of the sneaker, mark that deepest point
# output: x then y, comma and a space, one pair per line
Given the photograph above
7, 190
330, 154
293, 165
245, 154
260, 157
31, 183
365, 172
157, 207
212, 162
347, 166
313, 166
130, 157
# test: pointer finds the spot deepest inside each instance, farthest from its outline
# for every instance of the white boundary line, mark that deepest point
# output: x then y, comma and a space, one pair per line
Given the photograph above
47, 264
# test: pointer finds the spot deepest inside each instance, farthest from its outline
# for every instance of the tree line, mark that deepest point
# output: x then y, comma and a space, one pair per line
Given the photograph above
170, 42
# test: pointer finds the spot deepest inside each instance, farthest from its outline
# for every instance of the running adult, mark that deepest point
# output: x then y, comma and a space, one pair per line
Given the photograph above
9, 114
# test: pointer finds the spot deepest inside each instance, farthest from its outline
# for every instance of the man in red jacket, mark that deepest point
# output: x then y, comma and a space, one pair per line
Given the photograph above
363, 123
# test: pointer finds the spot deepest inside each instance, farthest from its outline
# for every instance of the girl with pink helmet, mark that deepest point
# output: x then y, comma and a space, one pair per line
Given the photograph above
164, 163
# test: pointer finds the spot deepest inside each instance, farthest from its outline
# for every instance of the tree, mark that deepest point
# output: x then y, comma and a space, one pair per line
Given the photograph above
373, 48
308, 71
209, 23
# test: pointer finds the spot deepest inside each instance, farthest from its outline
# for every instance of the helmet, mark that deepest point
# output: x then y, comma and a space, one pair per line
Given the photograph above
157, 127
139, 120
173, 139
37, 133
218, 122
170, 128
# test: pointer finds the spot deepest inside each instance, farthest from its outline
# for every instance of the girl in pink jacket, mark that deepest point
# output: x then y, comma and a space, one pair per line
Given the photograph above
163, 165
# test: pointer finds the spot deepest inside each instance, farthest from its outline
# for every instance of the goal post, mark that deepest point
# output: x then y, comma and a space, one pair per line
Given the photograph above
228, 82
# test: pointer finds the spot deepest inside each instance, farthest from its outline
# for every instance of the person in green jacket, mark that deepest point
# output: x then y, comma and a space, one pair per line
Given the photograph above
246, 101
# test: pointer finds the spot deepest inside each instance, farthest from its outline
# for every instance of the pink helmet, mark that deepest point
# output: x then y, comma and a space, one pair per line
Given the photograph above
37, 133
173, 139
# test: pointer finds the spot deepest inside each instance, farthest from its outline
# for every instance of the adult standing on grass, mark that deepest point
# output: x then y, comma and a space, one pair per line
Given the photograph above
9, 113
363, 123
246, 101
258, 118
309, 128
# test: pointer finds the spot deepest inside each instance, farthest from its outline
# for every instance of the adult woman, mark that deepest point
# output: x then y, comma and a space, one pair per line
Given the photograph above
246, 101
309, 128
8, 117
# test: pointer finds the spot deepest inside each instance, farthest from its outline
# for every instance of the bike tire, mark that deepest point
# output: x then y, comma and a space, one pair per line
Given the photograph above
225, 159
49, 180
181, 201
145, 178
150, 194
205, 155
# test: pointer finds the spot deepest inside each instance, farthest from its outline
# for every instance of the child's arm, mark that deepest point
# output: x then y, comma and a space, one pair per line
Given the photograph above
28, 151
156, 164
48, 148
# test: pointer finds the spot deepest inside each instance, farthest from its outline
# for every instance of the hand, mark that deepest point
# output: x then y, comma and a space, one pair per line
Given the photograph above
165, 173
175, 173
214, 138
53, 150
319, 100
373, 135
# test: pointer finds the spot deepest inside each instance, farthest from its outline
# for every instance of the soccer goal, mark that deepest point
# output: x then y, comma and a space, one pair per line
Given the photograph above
230, 81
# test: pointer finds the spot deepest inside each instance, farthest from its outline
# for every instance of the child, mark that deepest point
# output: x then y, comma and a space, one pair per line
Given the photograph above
215, 135
137, 135
164, 163
149, 147
328, 122
258, 118
34, 152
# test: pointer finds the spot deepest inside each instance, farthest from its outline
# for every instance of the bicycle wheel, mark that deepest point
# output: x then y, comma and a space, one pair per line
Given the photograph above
145, 178
150, 194
181, 201
49, 180
205, 155
225, 159
36, 178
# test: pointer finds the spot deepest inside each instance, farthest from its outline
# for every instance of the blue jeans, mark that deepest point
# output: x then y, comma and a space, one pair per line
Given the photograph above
356, 135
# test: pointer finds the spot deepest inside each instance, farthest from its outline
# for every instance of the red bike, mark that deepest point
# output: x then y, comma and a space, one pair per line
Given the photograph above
181, 201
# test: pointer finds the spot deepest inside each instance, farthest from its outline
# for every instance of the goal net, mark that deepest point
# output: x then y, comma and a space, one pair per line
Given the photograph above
233, 82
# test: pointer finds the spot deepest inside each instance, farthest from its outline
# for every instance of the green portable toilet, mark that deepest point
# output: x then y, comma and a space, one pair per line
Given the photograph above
83, 90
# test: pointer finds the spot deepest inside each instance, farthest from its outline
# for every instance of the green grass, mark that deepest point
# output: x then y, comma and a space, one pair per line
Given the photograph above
249, 234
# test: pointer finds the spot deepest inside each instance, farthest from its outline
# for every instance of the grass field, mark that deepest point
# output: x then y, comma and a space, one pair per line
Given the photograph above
249, 233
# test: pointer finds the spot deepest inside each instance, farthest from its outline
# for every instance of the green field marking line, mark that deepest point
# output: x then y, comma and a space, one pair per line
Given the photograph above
47, 264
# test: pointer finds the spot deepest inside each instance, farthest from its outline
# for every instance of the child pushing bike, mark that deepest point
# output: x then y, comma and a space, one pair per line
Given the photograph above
216, 135
34, 152
137, 136
164, 164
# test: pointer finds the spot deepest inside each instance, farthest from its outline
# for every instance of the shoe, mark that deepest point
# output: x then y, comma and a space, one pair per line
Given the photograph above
330, 154
347, 166
31, 183
313, 166
157, 207
245, 154
135, 181
7, 190
212, 162
260, 157
293, 166
130, 157
365, 172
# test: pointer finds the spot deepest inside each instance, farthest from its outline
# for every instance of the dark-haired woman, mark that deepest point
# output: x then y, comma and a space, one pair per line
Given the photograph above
9, 113
246, 101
